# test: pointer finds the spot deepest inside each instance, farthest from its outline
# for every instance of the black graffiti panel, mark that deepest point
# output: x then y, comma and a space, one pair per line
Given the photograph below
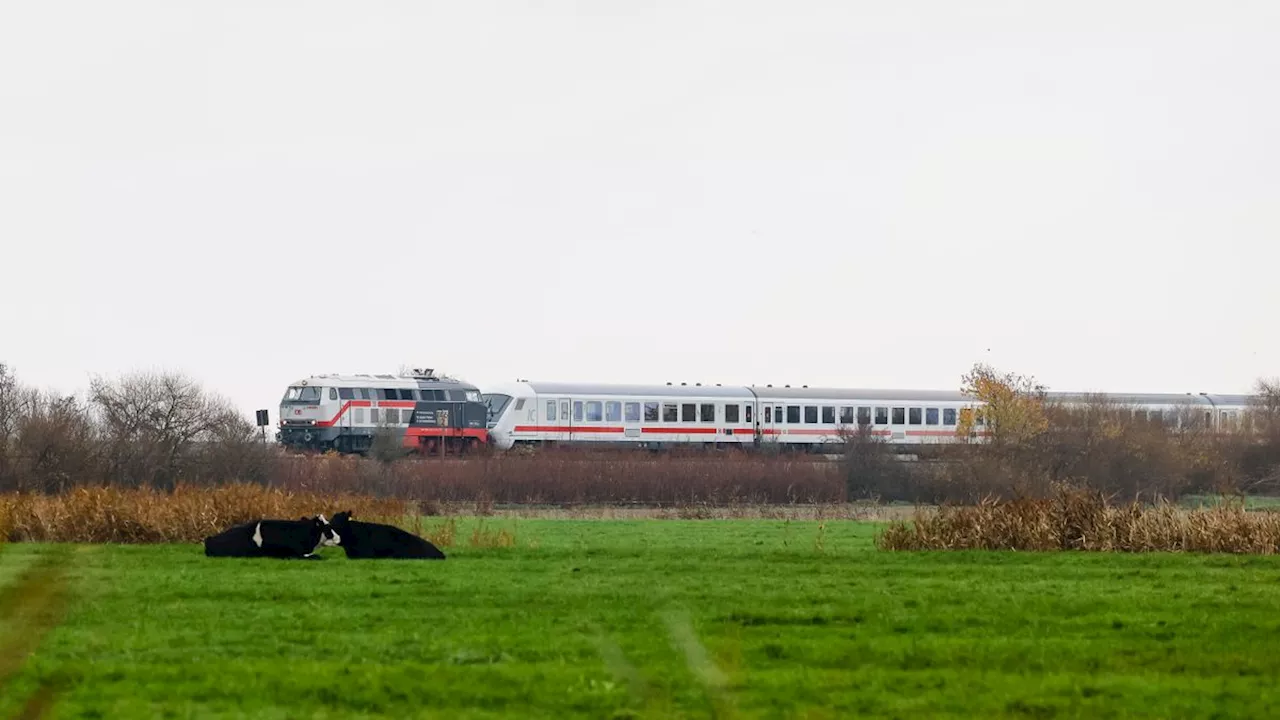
449, 415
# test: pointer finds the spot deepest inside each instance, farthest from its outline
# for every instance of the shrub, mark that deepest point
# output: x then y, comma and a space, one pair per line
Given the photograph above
1081, 519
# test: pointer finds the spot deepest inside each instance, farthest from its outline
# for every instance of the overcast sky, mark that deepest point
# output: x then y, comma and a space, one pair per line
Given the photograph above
826, 193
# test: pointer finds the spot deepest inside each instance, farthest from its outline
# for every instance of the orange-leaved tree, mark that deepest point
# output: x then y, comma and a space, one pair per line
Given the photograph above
1011, 406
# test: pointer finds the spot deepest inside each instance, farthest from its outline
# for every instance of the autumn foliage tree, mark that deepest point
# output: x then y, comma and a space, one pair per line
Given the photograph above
1013, 407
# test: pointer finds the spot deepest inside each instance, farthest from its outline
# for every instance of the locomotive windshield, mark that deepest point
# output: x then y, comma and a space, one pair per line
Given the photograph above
497, 403
303, 394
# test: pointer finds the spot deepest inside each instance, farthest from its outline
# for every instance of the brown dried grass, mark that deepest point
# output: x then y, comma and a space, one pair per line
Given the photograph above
1079, 519
186, 514
577, 476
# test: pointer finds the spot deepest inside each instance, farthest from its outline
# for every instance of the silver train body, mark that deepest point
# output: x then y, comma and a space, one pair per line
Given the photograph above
344, 412
655, 416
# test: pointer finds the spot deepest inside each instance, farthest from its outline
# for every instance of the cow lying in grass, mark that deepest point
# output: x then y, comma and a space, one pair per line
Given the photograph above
363, 540
273, 538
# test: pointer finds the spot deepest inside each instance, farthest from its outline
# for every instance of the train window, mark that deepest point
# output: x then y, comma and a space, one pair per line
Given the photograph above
793, 414
594, 412
768, 414
931, 416
346, 393
613, 411
359, 416
520, 404
948, 416
846, 416
882, 416
811, 414
864, 416
632, 412
688, 412
551, 411
899, 416
707, 413
731, 413
828, 415
651, 412
913, 416
373, 416
748, 409
577, 411
670, 412
406, 416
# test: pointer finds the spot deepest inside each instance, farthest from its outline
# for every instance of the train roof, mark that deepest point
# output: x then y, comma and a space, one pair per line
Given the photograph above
1158, 398
383, 380
857, 394
886, 394
695, 390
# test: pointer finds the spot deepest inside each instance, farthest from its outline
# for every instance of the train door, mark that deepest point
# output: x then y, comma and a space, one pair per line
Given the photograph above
631, 414
564, 424
768, 424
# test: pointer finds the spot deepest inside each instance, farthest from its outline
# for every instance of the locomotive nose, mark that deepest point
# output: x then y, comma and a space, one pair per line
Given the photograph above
501, 439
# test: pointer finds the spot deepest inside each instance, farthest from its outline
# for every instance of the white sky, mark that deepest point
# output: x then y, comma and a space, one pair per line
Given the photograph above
824, 193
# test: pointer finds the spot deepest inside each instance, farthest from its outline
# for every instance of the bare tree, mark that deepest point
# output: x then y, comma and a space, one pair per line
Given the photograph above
1265, 410
9, 412
56, 446
155, 424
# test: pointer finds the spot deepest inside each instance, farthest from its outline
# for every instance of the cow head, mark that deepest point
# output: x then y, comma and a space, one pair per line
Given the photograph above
341, 522
340, 525
328, 536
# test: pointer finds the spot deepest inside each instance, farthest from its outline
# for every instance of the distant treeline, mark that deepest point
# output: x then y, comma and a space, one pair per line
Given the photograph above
158, 430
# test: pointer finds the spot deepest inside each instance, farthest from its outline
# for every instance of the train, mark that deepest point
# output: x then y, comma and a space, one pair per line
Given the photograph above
428, 413
798, 418
349, 413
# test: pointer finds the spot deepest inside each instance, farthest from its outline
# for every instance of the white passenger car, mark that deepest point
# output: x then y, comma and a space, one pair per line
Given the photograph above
527, 412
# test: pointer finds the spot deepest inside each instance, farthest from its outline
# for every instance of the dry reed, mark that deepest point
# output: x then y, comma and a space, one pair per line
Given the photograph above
185, 514
1077, 519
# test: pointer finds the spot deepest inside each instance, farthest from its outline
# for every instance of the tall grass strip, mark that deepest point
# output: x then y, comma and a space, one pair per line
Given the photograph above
1085, 520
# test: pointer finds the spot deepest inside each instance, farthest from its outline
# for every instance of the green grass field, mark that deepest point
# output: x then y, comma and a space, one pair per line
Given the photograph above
657, 618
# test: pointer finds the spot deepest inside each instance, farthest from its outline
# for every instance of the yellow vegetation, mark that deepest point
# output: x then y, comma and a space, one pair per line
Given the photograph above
1013, 406
1077, 519
187, 514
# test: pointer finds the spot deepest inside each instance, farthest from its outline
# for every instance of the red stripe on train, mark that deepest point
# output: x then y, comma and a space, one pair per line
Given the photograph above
342, 410
446, 432
567, 429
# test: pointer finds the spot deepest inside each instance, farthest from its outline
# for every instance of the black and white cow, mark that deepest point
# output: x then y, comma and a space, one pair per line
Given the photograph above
273, 538
363, 540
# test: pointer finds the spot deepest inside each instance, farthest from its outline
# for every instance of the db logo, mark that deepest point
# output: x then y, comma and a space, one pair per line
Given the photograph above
297, 412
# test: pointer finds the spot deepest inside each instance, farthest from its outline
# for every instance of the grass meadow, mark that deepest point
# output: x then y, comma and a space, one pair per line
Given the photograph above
654, 618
